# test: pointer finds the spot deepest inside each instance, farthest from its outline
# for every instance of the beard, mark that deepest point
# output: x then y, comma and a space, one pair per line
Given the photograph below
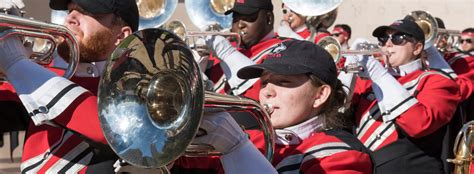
92, 49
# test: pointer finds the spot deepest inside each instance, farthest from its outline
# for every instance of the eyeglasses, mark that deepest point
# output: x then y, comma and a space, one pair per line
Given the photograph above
397, 39
465, 40
336, 34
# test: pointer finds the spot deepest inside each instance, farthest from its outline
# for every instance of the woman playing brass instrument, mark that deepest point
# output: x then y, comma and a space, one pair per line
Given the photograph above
401, 111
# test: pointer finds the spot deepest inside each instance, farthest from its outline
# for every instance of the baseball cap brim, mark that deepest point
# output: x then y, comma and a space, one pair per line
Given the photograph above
380, 31
94, 7
255, 71
242, 10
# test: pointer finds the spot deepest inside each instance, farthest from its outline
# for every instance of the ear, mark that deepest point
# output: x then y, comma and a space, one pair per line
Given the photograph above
418, 48
122, 34
270, 18
322, 95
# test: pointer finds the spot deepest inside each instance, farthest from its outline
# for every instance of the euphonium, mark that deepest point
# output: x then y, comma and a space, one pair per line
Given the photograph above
14, 25
151, 100
463, 149
431, 30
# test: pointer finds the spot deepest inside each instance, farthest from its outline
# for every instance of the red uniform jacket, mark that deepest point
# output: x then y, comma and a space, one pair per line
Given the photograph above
463, 66
328, 151
438, 98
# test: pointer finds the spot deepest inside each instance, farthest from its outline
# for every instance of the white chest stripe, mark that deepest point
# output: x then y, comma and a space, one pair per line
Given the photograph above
318, 151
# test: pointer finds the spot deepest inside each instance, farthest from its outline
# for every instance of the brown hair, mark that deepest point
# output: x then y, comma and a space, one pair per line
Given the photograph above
330, 109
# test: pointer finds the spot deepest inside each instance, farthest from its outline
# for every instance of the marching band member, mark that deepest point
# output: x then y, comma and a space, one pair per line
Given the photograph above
65, 134
342, 33
300, 82
467, 40
294, 26
253, 20
397, 117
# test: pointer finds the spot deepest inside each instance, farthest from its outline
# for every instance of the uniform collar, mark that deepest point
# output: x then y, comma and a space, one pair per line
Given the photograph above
93, 69
301, 29
296, 134
269, 36
406, 69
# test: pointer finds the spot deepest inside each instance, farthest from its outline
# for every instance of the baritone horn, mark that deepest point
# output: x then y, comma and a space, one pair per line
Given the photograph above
463, 149
431, 30
333, 47
151, 100
14, 25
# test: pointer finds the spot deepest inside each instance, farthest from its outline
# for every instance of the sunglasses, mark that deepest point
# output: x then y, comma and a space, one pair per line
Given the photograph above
396, 39
336, 34
465, 40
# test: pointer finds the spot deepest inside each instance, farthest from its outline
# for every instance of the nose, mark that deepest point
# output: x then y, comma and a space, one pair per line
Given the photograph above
241, 24
389, 43
268, 91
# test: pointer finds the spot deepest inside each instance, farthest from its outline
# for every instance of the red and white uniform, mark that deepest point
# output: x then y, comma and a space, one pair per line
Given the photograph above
61, 110
303, 148
410, 134
463, 66
257, 54
438, 97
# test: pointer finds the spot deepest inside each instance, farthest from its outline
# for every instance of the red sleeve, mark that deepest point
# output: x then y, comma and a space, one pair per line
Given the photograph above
464, 68
438, 98
347, 162
82, 117
7, 93
320, 36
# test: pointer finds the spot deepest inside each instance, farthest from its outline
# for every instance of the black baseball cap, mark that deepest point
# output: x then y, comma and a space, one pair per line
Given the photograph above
294, 57
405, 26
126, 9
247, 7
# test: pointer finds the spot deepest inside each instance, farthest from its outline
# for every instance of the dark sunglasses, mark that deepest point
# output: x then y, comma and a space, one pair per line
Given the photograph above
397, 39
466, 40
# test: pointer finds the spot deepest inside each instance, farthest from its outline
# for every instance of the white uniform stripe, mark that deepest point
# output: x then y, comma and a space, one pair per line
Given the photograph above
383, 137
45, 94
318, 151
80, 165
43, 156
55, 168
368, 121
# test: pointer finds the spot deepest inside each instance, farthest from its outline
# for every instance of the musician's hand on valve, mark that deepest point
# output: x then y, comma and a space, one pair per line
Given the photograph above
222, 132
11, 51
220, 46
11, 7
373, 69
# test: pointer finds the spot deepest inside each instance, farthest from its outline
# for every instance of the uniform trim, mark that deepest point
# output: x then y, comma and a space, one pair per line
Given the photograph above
51, 99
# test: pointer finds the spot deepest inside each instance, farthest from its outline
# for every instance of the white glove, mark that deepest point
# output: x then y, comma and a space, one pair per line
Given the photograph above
11, 51
392, 98
12, 6
222, 132
285, 30
232, 62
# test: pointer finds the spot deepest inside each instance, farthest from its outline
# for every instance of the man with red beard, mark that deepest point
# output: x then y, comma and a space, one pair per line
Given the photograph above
65, 135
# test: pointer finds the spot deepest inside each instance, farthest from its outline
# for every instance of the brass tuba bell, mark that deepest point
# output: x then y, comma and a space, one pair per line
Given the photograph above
151, 99
153, 13
463, 149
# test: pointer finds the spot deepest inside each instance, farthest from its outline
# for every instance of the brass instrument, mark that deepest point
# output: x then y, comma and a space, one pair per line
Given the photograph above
463, 149
319, 13
14, 25
178, 28
432, 32
333, 47
153, 13
207, 13
151, 100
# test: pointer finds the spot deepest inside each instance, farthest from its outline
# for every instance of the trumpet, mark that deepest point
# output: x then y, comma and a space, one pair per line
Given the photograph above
178, 28
152, 88
333, 47
14, 25
432, 32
